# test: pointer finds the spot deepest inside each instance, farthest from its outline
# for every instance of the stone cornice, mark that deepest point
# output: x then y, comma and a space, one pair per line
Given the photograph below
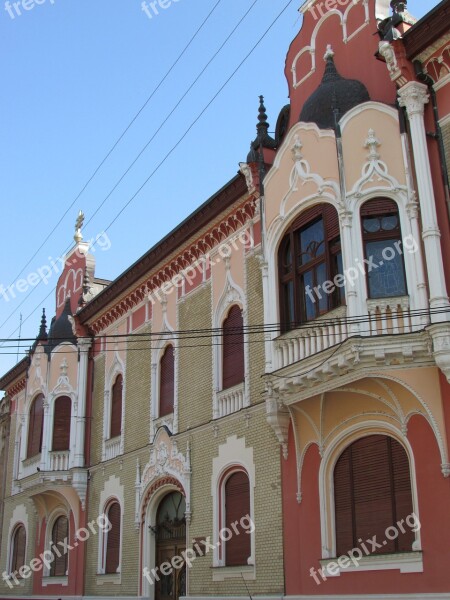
210, 210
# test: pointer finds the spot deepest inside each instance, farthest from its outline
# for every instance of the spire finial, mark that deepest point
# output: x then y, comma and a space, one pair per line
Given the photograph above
329, 53
43, 328
398, 6
263, 125
78, 225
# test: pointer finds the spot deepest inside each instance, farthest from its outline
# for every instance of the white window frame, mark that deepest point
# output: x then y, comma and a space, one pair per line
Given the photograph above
327, 502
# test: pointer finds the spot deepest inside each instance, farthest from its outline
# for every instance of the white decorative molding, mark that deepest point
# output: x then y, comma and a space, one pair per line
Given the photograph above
165, 460
247, 172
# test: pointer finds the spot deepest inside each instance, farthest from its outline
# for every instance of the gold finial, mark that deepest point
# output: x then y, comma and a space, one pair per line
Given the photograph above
78, 225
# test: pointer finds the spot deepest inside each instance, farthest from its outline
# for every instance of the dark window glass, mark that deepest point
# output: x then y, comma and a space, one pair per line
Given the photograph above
383, 249
309, 256
35, 427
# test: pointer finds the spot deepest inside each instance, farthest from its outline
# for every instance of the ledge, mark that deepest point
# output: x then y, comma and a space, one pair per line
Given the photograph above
246, 572
405, 562
114, 578
64, 581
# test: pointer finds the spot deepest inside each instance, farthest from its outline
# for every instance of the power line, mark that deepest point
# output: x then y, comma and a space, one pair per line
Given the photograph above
122, 135
160, 164
258, 328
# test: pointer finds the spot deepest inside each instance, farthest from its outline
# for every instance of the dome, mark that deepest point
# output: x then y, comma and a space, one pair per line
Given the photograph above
61, 329
334, 93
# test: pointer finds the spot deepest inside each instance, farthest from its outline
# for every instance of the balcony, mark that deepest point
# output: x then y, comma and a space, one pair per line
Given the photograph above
30, 466
112, 448
231, 400
59, 461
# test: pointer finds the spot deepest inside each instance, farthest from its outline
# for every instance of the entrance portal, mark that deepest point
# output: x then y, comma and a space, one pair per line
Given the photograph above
171, 542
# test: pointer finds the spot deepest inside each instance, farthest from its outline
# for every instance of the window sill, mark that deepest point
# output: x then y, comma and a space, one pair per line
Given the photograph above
114, 578
339, 312
246, 572
405, 562
64, 581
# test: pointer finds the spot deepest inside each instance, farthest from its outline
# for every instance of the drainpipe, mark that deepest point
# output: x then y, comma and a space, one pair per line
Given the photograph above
427, 80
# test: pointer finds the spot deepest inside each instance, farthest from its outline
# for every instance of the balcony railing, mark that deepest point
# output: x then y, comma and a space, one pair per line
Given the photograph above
231, 400
59, 461
389, 316
385, 316
30, 466
306, 341
112, 448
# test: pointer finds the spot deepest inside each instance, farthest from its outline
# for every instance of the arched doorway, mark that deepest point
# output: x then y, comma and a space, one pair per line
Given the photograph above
170, 537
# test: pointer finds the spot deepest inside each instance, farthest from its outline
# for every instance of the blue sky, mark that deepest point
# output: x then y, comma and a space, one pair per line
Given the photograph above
73, 75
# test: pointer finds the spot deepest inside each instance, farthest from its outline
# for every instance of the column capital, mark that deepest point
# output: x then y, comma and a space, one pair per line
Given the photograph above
84, 344
413, 96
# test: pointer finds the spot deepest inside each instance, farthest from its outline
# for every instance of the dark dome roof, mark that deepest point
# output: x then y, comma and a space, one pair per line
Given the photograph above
61, 329
334, 92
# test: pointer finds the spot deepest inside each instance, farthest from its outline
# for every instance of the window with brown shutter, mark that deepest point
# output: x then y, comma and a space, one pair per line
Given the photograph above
116, 407
372, 490
61, 424
309, 255
166, 382
113, 539
60, 532
19, 541
233, 369
382, 241
35, 426
237, 505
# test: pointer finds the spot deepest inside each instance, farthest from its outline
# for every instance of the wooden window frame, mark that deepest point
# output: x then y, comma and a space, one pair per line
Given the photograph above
233, 374
106, 540
166, 406
116, 407
58, 433
332, 249
379, 208
32, 434
223, 518
392, 446
64, 558
14, 558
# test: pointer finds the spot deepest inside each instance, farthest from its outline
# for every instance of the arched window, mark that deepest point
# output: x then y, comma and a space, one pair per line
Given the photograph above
233, 369
60, 532
309, 257
116, 407
237, 506
166, 382
35, 426
382, 241
61, 424
18, 546
372, 490
112, 558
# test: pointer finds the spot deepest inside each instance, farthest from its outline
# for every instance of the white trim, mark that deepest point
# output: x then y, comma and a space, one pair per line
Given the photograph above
441, 82
232, 454
326, 488
113, 491
117, 368
411, 562
60, 511
222, 573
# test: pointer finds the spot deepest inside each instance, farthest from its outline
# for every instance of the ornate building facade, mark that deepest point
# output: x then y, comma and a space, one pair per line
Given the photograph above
259, 405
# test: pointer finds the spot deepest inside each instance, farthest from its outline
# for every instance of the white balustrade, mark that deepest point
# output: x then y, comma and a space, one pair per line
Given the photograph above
112, 448
231, 400
388, 316
59, 461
